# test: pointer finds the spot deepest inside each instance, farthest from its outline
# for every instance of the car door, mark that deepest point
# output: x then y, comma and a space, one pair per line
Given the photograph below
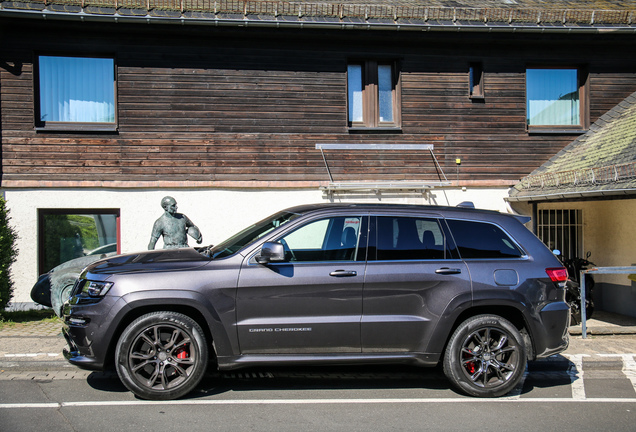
413, 275
311, 302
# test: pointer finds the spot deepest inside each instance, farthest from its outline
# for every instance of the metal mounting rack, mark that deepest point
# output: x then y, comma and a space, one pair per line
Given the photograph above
379, 186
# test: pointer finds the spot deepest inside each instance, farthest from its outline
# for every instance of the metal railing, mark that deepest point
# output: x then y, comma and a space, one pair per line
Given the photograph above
393, 12
582, 176
598, 270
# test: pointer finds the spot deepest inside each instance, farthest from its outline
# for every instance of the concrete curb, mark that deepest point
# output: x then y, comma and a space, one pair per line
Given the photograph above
603, 330
35, 365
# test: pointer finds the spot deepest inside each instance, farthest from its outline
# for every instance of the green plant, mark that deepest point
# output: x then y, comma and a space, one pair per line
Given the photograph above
11, 318
8, 253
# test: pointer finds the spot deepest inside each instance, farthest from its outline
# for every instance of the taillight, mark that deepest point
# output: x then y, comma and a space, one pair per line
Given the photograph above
557, 274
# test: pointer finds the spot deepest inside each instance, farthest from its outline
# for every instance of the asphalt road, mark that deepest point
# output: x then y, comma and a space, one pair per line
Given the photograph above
326, 399
591, 386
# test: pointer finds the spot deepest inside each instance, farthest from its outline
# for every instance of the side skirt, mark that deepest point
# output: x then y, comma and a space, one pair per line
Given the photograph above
251, 360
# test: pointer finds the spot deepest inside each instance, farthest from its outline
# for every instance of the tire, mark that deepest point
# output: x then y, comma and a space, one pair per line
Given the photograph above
161, 356
485, 356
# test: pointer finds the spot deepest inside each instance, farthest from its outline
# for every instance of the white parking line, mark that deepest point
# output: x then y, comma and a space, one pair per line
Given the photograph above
576, 375
31, 355
313, 402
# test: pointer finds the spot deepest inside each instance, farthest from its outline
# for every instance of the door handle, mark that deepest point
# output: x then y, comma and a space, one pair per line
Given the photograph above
343, 273
446, 270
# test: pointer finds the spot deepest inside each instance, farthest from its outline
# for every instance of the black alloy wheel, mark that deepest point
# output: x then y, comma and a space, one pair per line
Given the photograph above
162, 356
485, 357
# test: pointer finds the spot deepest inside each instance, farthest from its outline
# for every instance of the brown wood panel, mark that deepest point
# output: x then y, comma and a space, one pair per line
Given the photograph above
223, 104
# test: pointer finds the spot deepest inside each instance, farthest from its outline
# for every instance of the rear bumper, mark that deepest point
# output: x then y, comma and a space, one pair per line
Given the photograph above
552, 336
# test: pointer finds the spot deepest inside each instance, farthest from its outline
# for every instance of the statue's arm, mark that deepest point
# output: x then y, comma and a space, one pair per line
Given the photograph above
193, 231
156, 233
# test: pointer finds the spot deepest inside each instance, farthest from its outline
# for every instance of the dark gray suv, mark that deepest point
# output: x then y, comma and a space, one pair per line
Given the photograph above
328, 284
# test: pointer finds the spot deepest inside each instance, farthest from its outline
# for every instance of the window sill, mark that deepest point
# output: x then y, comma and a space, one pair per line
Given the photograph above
375, 130
556, 131
76, 127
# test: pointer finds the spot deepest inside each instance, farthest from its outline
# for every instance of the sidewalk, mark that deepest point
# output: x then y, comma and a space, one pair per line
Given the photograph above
38, 346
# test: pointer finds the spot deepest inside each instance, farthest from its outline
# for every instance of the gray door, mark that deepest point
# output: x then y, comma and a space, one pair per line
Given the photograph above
312, 303
412, 277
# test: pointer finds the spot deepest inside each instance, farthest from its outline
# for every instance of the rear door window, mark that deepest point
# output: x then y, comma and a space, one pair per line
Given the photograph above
409, 238
482, 240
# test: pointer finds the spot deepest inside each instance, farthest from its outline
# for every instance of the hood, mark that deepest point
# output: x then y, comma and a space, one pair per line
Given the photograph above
150, 261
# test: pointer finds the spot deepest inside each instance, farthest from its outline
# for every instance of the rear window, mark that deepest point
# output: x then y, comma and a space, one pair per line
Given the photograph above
482, 240
409, 238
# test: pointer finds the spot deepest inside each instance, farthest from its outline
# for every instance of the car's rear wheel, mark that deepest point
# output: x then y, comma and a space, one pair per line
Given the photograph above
485, 356
162, 355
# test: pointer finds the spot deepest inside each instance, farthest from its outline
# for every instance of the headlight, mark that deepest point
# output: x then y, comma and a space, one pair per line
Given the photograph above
96, 289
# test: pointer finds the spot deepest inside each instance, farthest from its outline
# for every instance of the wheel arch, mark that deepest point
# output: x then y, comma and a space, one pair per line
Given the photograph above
138, 309
510, 313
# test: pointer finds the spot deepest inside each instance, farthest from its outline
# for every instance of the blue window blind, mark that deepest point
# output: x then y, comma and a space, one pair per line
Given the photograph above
553, 97
385, 92
355, 87
77, 89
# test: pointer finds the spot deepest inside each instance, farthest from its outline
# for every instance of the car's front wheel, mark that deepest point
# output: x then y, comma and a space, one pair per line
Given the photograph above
485, 356
162, 355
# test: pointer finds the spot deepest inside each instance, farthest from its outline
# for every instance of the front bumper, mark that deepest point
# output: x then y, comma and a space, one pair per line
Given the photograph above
74, 355
88, 331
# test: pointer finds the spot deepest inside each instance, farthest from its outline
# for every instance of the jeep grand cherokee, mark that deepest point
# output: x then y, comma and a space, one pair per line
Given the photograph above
328, 284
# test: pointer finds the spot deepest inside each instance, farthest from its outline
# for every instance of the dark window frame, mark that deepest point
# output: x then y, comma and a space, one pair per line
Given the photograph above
476, 81
58, 126
370, 99
43, 212
584, 100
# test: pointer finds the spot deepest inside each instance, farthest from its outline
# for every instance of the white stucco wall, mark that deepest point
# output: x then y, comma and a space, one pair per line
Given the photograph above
218, 213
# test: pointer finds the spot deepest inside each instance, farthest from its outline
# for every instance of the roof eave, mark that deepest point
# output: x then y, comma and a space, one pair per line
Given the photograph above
555, 196
483, 27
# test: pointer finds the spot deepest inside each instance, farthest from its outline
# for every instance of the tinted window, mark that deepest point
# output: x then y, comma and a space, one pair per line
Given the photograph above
331, 239
409, 238
482, 240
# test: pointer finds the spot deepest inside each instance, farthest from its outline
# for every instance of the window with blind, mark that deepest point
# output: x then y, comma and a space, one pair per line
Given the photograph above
373, 95
76, 93
555, 99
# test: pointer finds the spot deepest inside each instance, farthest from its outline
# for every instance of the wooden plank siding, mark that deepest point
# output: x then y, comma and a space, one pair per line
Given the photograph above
202, 104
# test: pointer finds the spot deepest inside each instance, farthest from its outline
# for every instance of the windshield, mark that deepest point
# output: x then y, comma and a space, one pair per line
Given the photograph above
251, 234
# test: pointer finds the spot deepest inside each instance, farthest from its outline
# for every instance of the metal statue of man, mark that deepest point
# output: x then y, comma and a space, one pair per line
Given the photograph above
173, 227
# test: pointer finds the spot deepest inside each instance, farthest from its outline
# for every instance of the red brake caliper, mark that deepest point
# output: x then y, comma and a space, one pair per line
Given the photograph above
182, 354
470, 366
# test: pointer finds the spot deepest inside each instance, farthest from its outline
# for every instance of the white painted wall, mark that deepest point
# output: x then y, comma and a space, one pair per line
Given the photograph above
218, 213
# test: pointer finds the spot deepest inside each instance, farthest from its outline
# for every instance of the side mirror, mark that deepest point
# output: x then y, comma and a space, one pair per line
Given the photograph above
271, 252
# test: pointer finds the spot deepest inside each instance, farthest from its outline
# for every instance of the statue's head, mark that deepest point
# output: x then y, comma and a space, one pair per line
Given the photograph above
169, 204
